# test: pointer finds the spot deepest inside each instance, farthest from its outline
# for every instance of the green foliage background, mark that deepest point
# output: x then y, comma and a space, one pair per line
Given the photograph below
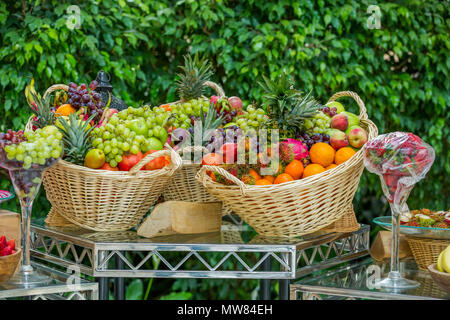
400, 71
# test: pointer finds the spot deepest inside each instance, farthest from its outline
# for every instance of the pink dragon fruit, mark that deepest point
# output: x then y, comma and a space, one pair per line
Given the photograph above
291, 149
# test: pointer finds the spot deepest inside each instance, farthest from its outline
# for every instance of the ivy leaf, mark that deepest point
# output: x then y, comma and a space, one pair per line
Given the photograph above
135, 290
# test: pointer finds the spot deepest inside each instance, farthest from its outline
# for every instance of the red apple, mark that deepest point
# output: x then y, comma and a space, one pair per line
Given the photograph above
112, 111
236, 103
338, 139
229, 152
357, 137
340, 122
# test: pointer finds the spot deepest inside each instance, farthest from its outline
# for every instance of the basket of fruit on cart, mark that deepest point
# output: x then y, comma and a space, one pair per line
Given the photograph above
311, 182
115, 164
427, 233
194, 106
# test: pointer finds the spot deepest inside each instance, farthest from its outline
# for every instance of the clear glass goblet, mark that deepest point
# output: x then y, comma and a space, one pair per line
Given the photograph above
26, 182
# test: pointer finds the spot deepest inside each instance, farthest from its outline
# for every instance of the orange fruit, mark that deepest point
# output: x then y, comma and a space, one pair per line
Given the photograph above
294, 169
343, 154
271, 179
282, 178
331, 166
65, 110
254, 174
312, 169
262, 182
322, 153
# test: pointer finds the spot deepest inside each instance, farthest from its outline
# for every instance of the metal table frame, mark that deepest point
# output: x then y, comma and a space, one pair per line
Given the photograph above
283, 262
349, 283
57, 290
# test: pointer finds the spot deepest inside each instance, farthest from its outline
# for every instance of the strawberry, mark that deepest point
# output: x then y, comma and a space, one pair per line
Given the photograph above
3, 243
12, 244
6, 251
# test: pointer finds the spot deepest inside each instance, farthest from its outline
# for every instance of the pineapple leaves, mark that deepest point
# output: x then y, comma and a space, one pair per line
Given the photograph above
285, 105
41, 109
195, 72
75, 137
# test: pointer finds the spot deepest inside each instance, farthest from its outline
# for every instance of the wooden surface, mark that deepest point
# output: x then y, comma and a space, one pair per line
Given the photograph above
172, 217
381, 247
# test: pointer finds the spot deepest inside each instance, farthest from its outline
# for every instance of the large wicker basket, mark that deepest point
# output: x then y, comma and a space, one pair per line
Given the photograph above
184, 186
103, 200
426, 251
298, 207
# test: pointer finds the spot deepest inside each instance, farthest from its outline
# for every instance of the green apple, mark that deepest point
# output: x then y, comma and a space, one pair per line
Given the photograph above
353, 119
446, 260
139, 127
334, 104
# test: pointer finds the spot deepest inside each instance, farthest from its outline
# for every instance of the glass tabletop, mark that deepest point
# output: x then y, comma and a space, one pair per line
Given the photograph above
60, 283
419, 232
358, 280
230, 234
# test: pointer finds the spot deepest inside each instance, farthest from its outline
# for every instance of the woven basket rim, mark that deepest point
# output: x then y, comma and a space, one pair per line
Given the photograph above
306, 182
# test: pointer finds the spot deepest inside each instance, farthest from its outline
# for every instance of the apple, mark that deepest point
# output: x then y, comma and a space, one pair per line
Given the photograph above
338, 139
339, 121
229, 152
236, 103
353, 119
334, 104
357, 137
139, 127
112, 111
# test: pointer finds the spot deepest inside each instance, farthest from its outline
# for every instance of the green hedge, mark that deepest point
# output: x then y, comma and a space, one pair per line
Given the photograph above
400, 71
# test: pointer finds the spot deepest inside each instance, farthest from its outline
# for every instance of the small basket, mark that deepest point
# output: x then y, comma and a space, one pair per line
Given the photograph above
301, 206
9, 265
426, 251
103, 200
184, 186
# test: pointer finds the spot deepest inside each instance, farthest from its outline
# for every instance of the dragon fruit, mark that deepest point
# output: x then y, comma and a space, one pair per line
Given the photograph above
292, 149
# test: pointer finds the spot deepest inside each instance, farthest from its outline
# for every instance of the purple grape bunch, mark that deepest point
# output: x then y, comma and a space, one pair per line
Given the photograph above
310, 140
81, 96
331, 112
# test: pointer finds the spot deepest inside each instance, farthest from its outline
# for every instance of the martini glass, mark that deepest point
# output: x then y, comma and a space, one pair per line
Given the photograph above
397, 201
26, 184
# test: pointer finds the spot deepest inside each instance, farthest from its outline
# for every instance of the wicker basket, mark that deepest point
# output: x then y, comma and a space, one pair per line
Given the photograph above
102, 200
426, 251
185, 187
298, 207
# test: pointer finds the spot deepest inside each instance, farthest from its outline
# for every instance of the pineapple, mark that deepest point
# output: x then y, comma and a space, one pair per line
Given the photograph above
286, 107
196, 72
41, 108
76, 138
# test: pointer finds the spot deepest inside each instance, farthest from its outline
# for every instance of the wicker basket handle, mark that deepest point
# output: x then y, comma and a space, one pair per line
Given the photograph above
354, 95
202, 177
215, 87
54, 88
175, 160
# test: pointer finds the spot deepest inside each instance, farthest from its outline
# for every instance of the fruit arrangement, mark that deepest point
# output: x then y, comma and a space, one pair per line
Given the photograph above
7, 247
315, 138
426, 218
